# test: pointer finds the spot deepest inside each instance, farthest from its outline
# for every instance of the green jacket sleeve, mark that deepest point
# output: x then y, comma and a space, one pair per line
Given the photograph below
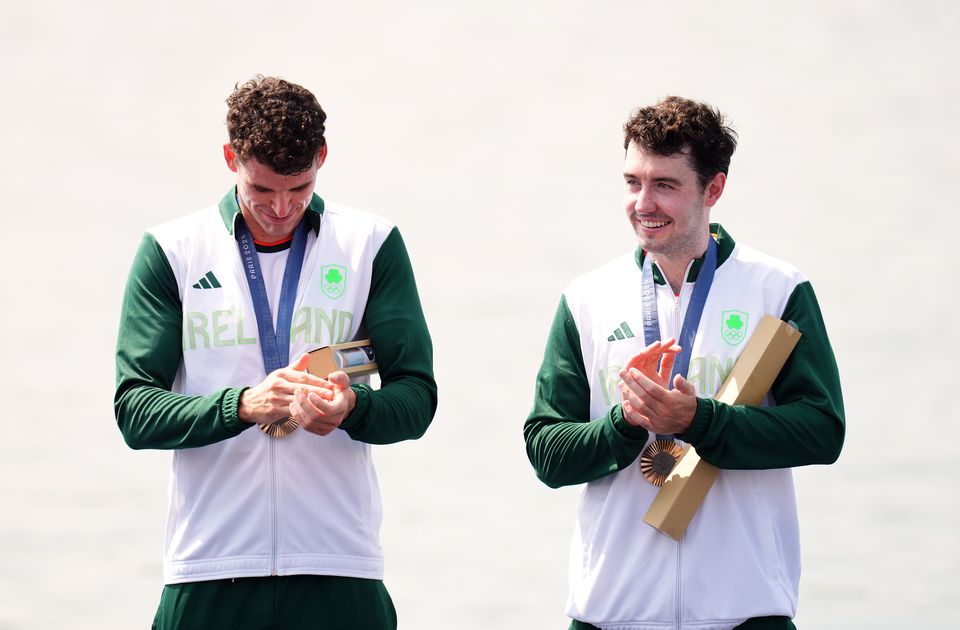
807, 424
148, 356
564, 445
404, 406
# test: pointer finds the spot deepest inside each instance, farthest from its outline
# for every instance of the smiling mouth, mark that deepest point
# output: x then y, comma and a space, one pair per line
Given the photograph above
652, 224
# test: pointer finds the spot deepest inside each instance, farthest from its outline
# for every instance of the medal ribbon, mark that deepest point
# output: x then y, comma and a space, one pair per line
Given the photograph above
691, 321
274, 346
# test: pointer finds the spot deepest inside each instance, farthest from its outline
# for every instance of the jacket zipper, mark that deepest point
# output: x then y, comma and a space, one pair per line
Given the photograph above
679, 590
677, 322
677, 329
677, 326
273, 507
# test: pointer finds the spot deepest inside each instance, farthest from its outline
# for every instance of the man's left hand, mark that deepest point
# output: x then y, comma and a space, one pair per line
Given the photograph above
320, 416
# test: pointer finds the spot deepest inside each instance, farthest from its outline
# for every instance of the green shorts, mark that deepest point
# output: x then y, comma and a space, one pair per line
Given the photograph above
314, 602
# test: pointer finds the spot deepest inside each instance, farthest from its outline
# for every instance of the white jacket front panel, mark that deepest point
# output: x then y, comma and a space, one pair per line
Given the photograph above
254, 505
743, 544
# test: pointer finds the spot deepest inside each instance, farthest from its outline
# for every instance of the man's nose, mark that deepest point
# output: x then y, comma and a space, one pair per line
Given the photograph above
644, 202
282, 204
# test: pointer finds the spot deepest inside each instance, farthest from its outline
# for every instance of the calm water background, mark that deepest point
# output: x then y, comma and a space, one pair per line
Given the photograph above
490, 132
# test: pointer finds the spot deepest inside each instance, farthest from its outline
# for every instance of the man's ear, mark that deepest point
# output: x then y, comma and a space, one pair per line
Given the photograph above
230, 157
322, 155
714, 189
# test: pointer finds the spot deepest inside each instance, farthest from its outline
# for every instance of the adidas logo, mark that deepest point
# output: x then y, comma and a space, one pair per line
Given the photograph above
621, 332
209, 281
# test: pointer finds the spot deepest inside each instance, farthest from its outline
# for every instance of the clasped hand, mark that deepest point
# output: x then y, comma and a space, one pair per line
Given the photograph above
648, 401
319, 405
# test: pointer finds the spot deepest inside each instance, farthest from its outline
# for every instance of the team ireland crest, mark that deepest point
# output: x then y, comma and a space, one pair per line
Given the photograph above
333, 280
733, 327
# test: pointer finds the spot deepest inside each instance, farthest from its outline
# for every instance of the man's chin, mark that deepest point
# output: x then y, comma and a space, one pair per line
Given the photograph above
275, 231
648, 244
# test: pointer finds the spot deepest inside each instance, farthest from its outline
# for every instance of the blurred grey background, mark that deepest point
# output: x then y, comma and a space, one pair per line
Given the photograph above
491, 133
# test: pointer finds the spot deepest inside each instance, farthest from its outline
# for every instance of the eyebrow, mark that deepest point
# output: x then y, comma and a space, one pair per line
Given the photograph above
295, 188
656, 180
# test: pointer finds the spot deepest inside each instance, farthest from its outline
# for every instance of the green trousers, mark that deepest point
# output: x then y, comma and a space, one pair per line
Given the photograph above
296, 602
757, 623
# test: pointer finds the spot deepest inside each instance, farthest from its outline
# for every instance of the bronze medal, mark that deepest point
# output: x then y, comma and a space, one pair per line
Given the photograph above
658, 460
280, 429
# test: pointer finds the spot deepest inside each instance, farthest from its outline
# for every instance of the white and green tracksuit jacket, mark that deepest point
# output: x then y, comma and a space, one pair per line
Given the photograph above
740, 556
242, 503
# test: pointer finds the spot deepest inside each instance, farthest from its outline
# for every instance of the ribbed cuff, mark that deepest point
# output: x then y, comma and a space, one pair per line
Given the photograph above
230, 410
625, 440
360, 410
626, 430
701, 422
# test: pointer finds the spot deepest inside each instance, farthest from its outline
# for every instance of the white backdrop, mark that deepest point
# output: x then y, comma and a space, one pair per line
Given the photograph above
491, 133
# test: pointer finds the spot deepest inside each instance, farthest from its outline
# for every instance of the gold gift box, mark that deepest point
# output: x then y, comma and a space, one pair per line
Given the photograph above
748, 382
356, 358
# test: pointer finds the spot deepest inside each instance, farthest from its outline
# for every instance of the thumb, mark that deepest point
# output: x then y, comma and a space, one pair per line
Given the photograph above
340, 380
300, 363
684, 386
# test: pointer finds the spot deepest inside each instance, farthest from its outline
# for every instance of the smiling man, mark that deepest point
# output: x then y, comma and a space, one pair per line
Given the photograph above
616, 397
274, 510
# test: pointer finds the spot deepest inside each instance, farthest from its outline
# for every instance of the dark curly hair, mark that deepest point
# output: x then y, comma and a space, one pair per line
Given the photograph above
277, 122
675, 124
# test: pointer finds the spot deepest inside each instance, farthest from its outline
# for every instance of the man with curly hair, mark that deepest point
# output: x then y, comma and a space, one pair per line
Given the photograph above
274, 509
637, 350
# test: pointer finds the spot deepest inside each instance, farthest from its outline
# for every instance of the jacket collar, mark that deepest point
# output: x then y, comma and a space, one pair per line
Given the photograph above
230, 211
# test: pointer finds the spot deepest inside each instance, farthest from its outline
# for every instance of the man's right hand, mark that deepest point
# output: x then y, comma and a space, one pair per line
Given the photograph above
648, 401
269, 401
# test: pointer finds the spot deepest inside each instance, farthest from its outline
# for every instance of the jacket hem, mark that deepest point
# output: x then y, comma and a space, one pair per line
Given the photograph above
259, 566
708, 624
